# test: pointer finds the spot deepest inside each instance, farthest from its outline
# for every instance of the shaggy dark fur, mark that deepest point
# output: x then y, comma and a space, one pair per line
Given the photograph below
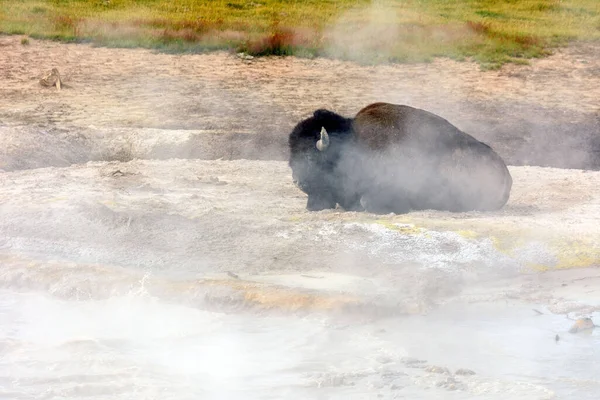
395, 158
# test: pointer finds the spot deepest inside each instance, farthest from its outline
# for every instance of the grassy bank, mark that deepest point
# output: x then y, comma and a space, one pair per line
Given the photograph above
492, 32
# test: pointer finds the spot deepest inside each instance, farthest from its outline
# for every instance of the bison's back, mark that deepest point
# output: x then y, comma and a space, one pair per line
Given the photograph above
382, 125
434, 163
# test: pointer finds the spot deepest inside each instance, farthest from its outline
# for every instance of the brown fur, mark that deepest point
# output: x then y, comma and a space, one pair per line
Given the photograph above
433, 159
395, 158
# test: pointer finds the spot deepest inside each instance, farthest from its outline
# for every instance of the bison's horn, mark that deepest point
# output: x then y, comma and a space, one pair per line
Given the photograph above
323, 143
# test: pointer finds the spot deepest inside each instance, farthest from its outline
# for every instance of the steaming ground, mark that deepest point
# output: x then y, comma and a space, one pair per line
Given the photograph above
172, 277
121, 270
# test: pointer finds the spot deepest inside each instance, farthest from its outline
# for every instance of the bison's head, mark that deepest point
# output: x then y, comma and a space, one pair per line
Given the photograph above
316, 144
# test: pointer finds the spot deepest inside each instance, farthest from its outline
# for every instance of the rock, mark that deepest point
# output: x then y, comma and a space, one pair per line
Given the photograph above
414, 362
245, 56
450, 384
211, 180
384, 359
437, 370
52, 78
464, 372
391, 375
582, 324
233, 275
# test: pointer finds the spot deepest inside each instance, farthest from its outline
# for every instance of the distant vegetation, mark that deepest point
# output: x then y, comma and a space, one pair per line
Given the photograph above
492, 32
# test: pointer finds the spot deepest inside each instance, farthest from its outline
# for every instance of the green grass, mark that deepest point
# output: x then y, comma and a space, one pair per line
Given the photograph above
492, 32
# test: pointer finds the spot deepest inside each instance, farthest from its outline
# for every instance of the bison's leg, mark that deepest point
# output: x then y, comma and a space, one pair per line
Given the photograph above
349, 201
352, 206
320, 201
385, 202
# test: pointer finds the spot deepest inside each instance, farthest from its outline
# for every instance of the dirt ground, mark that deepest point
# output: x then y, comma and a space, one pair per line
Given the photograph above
182, 221
391, 306
124, 103
156, 180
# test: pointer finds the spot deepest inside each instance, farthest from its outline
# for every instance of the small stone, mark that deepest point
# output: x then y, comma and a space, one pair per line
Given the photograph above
412, 361
245, 56
384, 359
582, 324
450, 384
437, 370
464, 372
231, 274
52, 79
393, 374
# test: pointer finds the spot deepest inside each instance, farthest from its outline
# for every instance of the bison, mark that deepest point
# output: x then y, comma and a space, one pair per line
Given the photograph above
394, 158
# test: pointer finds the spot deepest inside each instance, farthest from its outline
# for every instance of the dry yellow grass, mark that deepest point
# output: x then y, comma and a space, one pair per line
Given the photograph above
492, 32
